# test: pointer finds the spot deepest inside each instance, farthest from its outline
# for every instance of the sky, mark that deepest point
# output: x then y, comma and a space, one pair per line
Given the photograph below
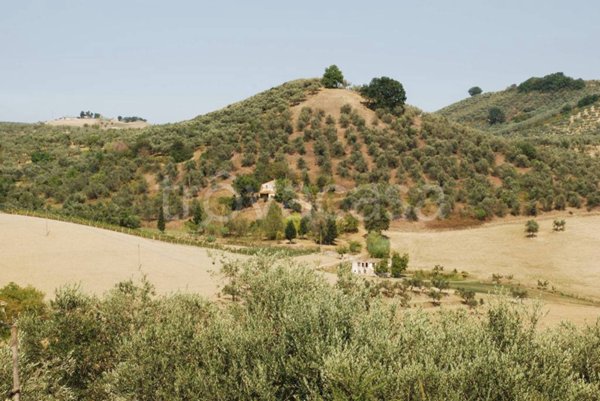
172, 60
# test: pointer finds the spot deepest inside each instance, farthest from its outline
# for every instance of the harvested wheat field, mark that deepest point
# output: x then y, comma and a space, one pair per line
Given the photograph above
569, 260
97, 259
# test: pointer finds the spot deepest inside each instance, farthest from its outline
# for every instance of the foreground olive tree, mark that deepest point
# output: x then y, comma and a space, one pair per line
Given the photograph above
292, 335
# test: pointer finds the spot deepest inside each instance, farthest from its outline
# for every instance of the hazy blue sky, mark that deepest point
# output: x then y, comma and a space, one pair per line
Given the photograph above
170, 60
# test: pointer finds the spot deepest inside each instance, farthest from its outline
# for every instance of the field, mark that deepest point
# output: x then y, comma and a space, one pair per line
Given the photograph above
96, 259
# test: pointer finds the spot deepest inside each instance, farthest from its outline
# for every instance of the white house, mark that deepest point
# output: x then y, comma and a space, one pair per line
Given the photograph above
364, 266
267, 190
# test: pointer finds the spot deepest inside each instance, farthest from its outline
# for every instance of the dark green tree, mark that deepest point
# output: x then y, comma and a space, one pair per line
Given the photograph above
474, 91
333, 77
304, 226
331, 232
197, 212
384, 93
290, 231
399, 264
246, 186
496, 116
161, 219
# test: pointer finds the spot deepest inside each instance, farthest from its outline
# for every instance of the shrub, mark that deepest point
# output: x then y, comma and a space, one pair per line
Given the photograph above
474, 91
551, 83
531, 228
496, 116
587, 100
378, 246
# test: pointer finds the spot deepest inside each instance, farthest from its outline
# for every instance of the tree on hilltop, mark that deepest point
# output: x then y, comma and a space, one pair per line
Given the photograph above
474, 91
333, 77
384, 93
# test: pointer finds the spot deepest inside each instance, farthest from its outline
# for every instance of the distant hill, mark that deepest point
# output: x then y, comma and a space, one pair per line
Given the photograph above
102, 123
531, 111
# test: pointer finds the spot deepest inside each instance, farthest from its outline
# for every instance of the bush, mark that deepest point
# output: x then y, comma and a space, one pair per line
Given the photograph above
354, 247
474, 91
551, 83
378, 246
293, 336
496, 116
587, 100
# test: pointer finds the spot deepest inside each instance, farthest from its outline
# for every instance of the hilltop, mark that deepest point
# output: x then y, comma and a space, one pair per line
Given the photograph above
326, 148
562, 110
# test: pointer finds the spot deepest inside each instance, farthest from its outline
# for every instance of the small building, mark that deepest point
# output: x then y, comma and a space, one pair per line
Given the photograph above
267, 190
364, 266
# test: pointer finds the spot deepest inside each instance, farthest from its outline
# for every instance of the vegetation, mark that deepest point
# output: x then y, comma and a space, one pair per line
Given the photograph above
559, 225
531, 228
15, 301
474, 91
384, 93
399, 264
551, 83
378, 246
496, 116
290, 231
333, 77
315, 342
273, 225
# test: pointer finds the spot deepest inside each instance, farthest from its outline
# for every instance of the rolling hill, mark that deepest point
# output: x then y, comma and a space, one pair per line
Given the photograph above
324, 147
560, 110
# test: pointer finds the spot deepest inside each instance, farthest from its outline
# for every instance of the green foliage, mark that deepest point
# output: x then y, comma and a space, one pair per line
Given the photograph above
354, 247
290, 231
531, 228
399, 264
333, 77
559, 225
378, 246
587, 100
273, 224
160, 224
246, 186
384, 93
291, 335
551, 83
496, 116
474, 91
16, 300
382, 268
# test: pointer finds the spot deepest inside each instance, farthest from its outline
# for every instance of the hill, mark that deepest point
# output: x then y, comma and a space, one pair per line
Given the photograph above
103, 123
324, 147
533, 111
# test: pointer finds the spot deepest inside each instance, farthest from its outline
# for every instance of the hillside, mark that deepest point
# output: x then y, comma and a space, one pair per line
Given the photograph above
531, 112
324, 147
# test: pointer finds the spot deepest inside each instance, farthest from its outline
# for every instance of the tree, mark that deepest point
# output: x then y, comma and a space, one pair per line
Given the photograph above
382, 268
290, 231
304, 226
399, 264
333, 77
197, 212
378, 246
474, 91
246, 186
559, 225
273, 223
531, 228
384, 93
161, 220
496, 116
376, 217
330, 231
